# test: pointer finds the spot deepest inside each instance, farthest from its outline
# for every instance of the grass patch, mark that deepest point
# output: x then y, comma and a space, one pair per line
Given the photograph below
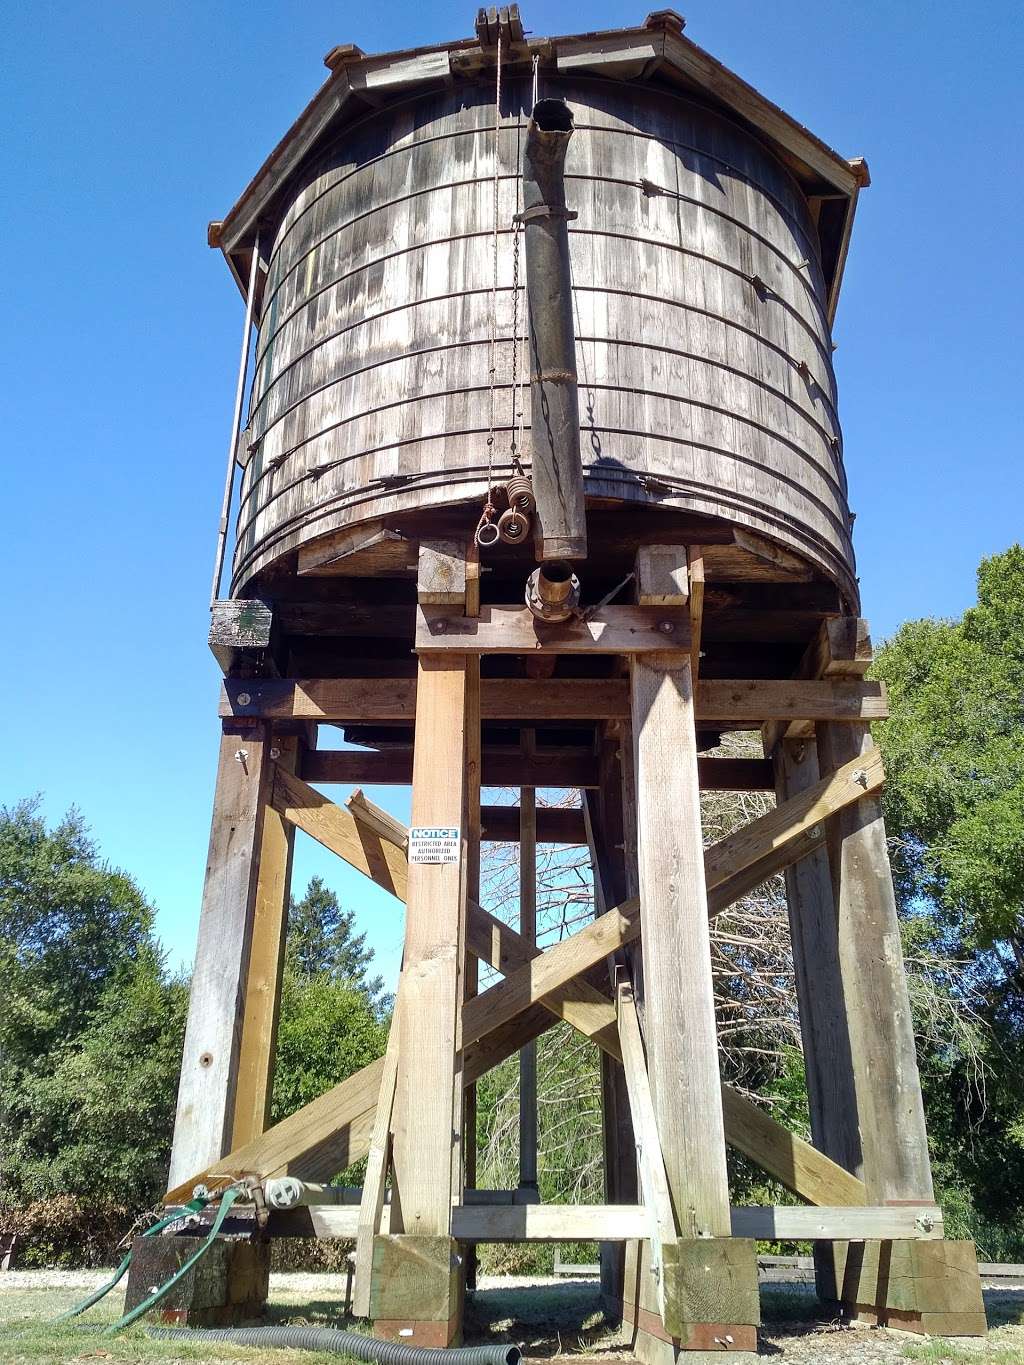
28, 1335
967, 1353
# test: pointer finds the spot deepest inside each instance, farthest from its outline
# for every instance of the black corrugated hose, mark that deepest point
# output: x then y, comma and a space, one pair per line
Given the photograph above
348, 1344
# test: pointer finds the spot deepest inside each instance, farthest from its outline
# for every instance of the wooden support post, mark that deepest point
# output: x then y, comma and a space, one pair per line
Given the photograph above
679, 1013
528, 930
679, 1010
474, 825
258, 1049
417, 1281
882, 1056
209, 1073
824, 1029
603, 813
894, 1141
371, 1203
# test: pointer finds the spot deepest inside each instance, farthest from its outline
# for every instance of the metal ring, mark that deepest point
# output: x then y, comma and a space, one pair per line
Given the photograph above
488, 534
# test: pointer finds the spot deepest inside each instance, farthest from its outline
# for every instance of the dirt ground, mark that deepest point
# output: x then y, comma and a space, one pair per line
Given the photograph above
548, 1318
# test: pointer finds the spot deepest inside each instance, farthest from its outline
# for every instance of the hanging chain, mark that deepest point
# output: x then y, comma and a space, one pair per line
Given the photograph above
494, 278
516, 397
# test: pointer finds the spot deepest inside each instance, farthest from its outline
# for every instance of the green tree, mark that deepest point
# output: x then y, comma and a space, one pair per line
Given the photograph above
954, 805
90, 1030
954, 753
69, 926
329, 1029
321, 941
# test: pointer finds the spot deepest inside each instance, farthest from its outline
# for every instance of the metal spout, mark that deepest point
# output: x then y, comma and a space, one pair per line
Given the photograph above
553, 591
561, 526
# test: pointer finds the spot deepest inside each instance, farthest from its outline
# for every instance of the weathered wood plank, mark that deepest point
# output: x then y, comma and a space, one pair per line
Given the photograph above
369, 815
515, 630
503, 1221
339, 831
552, 969
442, 574
371, 1203
678, 999
653, 1179
894, 1139
209, 1071
840, 649
736, 703
695, 561
393, 767
661, 576
763, 842
794, 1163
258, 1047
551, 824
241, 634
529, 829
789, 1223
428, 1111
824, 1028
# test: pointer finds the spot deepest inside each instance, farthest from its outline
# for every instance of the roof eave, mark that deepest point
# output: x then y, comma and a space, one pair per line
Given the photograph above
629, 53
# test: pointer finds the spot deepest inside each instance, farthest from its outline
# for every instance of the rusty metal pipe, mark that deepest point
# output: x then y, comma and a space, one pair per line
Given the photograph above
561, 527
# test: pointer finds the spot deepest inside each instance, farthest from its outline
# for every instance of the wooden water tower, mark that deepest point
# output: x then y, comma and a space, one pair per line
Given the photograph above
607, 265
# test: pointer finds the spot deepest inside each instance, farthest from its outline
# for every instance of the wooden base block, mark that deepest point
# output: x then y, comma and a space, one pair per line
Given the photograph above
227, 1287
417, 1289
930, 1287
711, 1299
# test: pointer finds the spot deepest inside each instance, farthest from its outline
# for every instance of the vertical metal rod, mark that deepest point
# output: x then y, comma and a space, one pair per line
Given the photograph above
236, 424
528, 929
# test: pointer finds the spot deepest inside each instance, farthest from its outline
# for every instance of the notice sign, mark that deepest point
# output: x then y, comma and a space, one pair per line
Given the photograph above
434, 844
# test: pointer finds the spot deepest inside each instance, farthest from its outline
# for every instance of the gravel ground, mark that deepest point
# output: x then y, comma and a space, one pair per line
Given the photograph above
549, 1317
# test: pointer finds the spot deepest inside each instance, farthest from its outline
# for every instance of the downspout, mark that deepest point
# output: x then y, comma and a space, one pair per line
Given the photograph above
561, 526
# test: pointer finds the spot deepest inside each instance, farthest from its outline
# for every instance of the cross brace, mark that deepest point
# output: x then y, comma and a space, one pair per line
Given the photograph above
335, 1130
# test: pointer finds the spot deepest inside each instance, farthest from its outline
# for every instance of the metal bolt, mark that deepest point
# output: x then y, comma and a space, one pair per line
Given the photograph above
440, 627
666, 627
244, 698
275, 753
816, 832
861, 778
241, 756
206, 1059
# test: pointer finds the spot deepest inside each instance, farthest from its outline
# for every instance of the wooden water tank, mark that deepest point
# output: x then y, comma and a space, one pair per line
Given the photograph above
703, 341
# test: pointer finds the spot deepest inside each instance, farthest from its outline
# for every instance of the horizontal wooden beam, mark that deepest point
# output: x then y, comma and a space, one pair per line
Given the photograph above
393, 767
841, 648
555, 825
743, 703
798, 1223
569, 768
510, 1222
515, 630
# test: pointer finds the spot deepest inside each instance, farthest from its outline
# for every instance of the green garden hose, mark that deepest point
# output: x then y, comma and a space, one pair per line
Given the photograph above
227, 1199
193, 1207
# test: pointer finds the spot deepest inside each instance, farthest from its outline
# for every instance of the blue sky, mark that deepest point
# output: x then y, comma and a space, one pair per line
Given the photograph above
128, 126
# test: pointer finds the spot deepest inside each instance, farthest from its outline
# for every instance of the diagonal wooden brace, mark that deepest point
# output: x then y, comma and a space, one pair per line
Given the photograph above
334, 1130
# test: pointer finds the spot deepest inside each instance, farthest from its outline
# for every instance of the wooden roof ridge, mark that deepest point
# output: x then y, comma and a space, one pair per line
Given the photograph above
658, 47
